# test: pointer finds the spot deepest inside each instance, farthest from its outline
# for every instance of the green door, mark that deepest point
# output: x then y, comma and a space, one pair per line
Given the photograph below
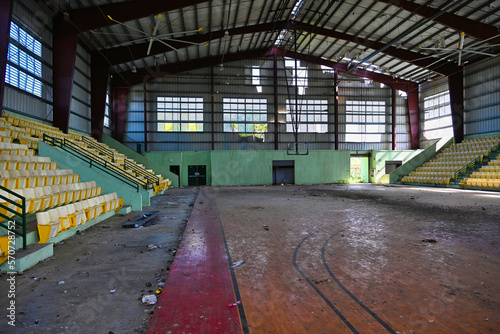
197, 175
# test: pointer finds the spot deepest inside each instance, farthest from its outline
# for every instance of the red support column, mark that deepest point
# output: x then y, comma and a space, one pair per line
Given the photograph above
275, 86
394, 109
64, 43
413, 119
5, 17
145, 117
336, 108
456, 87
99, 74
212, 103
119, 110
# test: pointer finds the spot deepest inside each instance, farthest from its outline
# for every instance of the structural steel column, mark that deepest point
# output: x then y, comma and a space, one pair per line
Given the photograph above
456, 87
119, 110
145, 118
394, 109
212, 106
275, 86
413, 117
99, 74
5, 17
64, 43
336, 108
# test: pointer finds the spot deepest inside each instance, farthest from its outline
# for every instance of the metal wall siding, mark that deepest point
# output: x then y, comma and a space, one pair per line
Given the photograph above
482, 97
235, 81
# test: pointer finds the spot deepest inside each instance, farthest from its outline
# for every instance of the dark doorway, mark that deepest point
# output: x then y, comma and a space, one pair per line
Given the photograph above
177, 171
283, 172
197, 175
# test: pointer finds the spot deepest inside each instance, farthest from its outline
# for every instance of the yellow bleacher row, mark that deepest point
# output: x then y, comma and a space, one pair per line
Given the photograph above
37, 129
53, 221
25, 162
487, 176
441, 169
19, 179
46, 197
13, 148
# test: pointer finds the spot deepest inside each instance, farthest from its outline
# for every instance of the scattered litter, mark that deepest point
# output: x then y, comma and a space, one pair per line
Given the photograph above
149, 300
61, 283
148, 284
430, 241
112, 291
35, 277
161, 284
431, 320
266, 227
158, 291
486, 319
200, 202
235, 304
151, 247
36, 321
172, 203
235, 264
88, 253
65, 291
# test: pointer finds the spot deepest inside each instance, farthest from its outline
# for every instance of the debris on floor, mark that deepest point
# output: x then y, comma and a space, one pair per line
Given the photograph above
149, 300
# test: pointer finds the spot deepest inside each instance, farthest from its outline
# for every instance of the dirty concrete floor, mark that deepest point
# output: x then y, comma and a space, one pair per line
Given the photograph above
365, 258
94, 262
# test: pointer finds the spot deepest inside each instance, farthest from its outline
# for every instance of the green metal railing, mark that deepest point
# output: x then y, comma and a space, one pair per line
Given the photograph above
101, 149
465, 170
22, 214
149, 176
95, 161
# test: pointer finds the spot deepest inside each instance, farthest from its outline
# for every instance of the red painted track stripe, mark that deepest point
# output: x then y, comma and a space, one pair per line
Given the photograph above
198, 288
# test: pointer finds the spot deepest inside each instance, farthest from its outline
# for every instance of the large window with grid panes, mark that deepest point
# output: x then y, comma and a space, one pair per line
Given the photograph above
365, 121
437, 116
309, 115
179, 114
245, 116
24, 66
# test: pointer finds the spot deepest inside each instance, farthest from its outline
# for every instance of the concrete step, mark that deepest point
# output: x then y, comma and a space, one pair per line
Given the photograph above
25, 259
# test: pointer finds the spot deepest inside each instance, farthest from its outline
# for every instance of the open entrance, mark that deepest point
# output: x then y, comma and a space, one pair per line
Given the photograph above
359, 170
283, 172
197, 175
177, 171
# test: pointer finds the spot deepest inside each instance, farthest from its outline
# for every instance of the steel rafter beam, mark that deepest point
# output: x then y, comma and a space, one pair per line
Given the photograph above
472, 28
5, 17
123, 54
443, 68
88, 18
400, 84
128, 78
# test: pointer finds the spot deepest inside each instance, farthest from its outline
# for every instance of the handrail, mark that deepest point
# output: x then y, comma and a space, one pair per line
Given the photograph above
128, 164
99, 148
22, 214
463, 170
96, 161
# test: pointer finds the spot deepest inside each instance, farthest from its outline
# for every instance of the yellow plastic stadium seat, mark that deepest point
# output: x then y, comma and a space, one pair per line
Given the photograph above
46, 228
63, 217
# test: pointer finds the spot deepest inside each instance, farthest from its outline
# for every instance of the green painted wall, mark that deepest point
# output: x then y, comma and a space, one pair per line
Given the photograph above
378, 159
157, 167
108, 183
183, 159
232, 168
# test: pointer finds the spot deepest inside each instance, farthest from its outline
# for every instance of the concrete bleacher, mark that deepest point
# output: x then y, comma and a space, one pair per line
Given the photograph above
30, 132
443, 169
56, 201
486, 177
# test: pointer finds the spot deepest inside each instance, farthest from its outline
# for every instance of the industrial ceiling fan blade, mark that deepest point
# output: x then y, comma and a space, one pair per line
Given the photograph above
180, 32
182, 41
170, 46
126, 25
150, 45
153, 34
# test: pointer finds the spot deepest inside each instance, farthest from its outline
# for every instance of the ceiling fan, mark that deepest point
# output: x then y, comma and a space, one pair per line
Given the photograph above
460, 50
153, 35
